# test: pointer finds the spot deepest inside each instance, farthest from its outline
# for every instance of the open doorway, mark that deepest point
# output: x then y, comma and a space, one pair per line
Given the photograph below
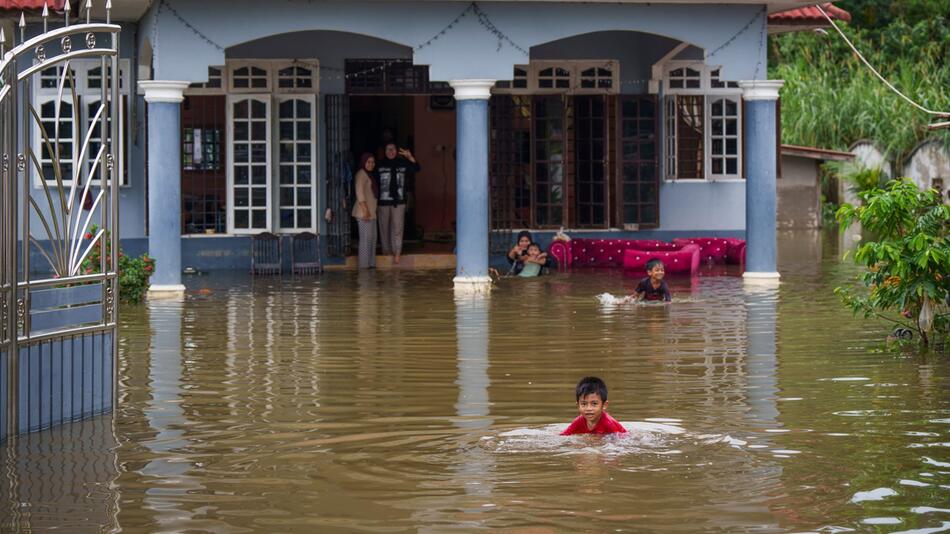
425, 125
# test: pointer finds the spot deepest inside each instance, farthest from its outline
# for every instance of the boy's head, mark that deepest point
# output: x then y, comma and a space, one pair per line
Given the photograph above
591, 399
534, 249
656, 269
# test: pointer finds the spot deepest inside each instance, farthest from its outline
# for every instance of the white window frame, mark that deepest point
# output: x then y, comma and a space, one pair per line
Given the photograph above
710, 100
86, 95
269, 184
574, 67
314, 200
730, 90
201, 88
314, 69
39, 150
266, 66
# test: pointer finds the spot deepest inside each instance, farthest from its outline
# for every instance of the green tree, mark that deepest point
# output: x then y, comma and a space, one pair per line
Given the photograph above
907, 262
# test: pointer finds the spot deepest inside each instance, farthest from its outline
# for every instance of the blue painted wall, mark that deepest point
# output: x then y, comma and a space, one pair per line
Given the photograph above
465, 51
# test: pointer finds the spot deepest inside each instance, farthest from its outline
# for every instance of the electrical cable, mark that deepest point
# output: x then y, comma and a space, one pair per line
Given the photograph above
876, 73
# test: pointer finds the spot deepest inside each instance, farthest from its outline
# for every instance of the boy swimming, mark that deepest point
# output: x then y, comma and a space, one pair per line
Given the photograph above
592, 405
653, 287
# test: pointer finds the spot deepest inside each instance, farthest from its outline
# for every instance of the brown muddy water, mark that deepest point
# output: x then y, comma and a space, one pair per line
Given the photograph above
384, 402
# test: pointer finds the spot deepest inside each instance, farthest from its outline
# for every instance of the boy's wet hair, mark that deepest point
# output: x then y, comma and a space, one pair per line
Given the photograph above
533, 244
589, 385
653, 263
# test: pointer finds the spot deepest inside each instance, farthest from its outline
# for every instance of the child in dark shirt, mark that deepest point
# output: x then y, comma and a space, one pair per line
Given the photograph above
653, 287
591, 404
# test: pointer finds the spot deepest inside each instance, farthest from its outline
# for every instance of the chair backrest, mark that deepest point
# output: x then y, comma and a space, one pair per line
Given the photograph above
265, 254
305, 254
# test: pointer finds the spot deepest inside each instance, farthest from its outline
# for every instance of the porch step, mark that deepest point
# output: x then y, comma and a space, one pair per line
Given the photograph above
407, 262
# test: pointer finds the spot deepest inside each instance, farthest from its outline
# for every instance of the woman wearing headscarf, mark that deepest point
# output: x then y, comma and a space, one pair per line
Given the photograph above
364, 211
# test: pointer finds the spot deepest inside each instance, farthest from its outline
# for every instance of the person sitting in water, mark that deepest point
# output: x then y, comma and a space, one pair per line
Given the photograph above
517, 254
533, 262
592, 405
653, 287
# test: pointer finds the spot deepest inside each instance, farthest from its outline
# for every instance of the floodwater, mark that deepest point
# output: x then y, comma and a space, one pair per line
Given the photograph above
384, 402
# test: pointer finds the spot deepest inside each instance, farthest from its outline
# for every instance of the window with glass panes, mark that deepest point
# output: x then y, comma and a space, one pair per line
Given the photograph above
510, 175
67, 134
295, 162
590, 160
203, 173
249, 179
724, 137
549, 160
638, 161
702, 122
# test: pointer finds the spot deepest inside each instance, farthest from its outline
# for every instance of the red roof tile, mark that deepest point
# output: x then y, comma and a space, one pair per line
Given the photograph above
24, 5
809, 15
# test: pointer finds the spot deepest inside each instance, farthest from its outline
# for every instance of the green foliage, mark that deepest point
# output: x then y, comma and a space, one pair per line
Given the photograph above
134, 273
908, 263
860, 178
831, 99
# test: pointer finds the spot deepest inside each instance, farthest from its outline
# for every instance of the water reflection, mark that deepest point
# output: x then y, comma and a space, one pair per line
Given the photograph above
474, 466
761, 364
61, 478
359, 402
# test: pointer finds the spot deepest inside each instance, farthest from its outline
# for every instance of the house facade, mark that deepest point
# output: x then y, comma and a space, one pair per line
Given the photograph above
629, 118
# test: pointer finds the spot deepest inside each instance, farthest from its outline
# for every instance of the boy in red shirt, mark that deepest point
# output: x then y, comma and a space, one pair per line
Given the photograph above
591, 404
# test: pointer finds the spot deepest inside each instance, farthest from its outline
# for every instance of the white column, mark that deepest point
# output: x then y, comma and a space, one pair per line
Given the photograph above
472, 198
164, 184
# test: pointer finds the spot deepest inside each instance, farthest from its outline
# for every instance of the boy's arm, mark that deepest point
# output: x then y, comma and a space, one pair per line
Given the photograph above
667, 296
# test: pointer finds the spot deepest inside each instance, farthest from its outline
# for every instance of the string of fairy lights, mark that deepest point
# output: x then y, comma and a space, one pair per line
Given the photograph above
482, 18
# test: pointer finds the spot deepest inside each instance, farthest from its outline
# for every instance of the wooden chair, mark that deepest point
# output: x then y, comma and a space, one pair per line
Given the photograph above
265, 254
305, 254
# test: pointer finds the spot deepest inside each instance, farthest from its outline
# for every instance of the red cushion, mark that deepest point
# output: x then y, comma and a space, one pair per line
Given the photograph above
712, 249
683, 261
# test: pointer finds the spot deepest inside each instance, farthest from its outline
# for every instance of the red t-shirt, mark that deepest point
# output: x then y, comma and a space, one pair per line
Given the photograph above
606, 425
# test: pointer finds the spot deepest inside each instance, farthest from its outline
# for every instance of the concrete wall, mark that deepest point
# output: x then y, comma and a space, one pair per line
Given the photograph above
702, 206
929, 166
799, 194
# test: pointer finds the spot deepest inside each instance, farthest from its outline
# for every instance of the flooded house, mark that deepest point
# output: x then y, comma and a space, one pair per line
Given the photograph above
628, 119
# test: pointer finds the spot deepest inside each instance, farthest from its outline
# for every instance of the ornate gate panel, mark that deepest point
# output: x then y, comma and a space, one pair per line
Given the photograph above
59, 228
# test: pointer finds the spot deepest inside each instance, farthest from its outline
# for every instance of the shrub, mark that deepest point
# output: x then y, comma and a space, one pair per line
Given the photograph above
907, 260
134, 273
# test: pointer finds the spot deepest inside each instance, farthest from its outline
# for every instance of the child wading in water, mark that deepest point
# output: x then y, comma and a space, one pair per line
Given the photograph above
533, 261
592, 405
653, 287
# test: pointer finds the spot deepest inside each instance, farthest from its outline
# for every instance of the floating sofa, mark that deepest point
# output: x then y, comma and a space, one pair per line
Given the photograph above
717, 249
682, 256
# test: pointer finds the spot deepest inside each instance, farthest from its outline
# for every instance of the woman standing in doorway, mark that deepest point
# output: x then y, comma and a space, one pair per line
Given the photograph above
365, 211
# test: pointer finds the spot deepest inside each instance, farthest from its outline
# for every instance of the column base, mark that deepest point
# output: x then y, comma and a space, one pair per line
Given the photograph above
472, 284
761, 275
170, 291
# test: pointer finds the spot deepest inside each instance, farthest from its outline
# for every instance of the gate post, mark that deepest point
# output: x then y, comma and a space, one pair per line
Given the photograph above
164, 183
